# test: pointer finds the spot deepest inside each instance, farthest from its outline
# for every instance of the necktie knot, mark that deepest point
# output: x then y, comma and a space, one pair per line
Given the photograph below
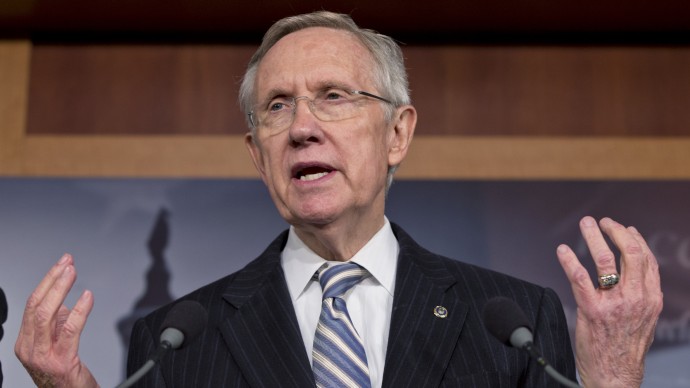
337, 280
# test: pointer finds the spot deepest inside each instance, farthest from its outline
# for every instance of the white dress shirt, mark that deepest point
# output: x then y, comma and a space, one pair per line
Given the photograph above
369, 303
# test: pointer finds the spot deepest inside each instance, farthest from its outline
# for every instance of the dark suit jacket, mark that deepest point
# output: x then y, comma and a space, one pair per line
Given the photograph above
253, 339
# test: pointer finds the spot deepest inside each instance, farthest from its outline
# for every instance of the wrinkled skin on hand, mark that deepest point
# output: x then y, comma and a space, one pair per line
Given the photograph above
48, 341
615, 326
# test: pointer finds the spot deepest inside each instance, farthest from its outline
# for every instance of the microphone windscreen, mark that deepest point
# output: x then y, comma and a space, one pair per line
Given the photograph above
189, 317
502, 316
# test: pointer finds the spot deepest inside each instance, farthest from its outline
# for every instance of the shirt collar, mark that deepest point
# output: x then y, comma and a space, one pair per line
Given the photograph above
379, 257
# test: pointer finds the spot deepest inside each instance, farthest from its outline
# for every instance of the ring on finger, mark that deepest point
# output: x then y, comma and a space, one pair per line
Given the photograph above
609, 280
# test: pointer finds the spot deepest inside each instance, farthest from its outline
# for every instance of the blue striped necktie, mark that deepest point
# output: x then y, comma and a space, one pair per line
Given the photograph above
338, 355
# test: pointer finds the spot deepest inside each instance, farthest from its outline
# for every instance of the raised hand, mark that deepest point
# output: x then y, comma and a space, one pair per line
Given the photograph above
616, 319
48, 341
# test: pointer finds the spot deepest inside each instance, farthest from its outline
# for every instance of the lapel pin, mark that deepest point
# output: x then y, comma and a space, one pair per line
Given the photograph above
440, 311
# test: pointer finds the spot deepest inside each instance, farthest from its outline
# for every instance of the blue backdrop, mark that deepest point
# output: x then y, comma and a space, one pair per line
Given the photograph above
140, 243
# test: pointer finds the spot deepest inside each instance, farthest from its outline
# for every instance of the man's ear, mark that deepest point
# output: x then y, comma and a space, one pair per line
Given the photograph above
255, 151
401, 133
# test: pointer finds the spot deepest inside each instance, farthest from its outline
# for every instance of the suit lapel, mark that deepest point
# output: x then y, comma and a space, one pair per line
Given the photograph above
422, 338
262, 333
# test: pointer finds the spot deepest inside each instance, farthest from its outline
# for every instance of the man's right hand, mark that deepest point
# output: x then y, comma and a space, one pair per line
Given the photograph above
48, 341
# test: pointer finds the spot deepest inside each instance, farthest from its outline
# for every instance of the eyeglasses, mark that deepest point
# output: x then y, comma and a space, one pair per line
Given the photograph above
332, 104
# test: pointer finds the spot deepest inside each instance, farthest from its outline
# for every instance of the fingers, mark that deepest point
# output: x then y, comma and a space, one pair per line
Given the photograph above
68, 341
628, 240
583, 289
614, 327
652, 276
46, 315
48, 340
635, 254
604, 259
45, 285
35, 301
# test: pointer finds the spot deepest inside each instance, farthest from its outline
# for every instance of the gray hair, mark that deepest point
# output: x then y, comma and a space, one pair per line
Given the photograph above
390, 76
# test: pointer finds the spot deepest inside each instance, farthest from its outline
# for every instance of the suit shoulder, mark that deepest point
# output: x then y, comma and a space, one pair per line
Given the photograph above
472, 280
250, 276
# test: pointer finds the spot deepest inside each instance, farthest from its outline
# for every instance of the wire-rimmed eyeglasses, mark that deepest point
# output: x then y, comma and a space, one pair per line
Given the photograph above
332, 104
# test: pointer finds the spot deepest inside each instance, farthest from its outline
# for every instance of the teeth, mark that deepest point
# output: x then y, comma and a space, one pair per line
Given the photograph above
311, 177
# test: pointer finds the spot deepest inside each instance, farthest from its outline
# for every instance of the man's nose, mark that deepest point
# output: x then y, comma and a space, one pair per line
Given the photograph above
306, 107
304, 111
305, 125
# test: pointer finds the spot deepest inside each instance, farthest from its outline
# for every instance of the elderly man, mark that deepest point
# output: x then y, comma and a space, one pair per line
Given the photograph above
345, 297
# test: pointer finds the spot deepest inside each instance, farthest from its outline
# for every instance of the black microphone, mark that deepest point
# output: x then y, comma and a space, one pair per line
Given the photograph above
3, 318
506, 321
183, 323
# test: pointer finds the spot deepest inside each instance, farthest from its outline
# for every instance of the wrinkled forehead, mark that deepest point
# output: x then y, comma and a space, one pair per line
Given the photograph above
314, 57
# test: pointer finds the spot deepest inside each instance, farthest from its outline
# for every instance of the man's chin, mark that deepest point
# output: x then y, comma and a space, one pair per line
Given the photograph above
313, 218
312, 221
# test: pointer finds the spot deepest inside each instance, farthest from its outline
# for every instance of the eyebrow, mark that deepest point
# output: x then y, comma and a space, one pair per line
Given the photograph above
333, 84
320, 86
273, 93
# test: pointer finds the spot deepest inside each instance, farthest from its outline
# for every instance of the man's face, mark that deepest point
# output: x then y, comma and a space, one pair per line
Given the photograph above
323, 172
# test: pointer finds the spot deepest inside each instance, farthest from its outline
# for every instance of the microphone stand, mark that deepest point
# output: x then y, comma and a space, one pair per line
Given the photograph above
528, 346
163, 348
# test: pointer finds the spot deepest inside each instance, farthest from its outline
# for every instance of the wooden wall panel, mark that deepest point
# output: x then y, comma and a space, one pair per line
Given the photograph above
550, 158
459, 90
551, 91
14, 78
431, 157
435, 154
136, 89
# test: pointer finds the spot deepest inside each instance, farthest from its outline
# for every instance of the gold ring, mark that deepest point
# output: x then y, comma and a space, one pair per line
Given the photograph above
608, 281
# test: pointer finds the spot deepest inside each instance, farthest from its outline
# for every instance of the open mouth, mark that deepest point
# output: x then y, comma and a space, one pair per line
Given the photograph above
312, 173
